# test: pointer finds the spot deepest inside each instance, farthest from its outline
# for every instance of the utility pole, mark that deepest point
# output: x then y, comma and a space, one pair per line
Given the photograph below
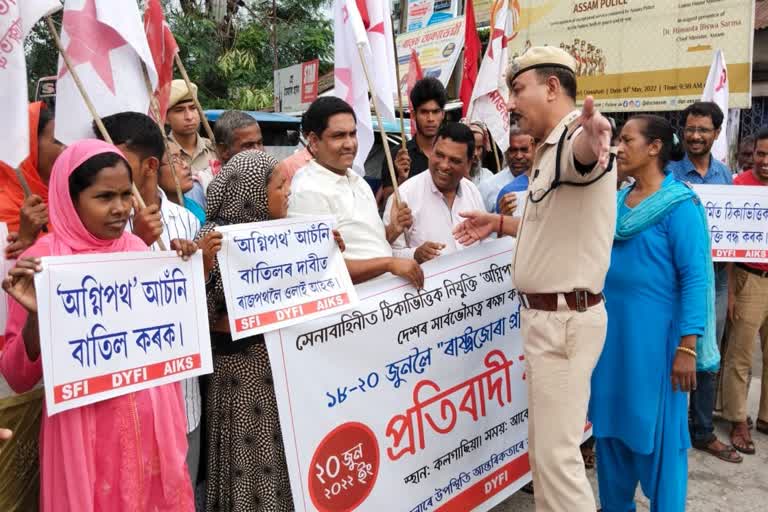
274, 33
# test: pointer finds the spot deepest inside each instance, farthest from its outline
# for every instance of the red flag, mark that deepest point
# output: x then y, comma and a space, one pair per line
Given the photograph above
471, 56
415, 74
163, 46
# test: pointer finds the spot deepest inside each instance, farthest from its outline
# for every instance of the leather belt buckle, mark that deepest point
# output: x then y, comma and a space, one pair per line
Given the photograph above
582, 300
524, 300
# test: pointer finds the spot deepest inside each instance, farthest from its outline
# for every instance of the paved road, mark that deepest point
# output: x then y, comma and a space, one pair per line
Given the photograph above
713, 485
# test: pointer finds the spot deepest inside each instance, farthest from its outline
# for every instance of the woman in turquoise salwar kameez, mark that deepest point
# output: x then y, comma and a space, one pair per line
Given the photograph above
657, 296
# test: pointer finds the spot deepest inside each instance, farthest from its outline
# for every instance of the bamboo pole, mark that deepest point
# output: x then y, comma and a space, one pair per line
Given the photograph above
387, 152
399, 91
96, 119
27, 191
193, 93
383, 132
496, 156
155, 108
23, 182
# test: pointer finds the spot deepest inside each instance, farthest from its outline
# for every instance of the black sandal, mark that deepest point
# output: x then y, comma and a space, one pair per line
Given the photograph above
748, 446
727, 454
762, 426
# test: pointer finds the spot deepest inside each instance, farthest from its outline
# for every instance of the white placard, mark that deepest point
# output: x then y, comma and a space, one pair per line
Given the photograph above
282, 272
738, 221
414, 401
111, 324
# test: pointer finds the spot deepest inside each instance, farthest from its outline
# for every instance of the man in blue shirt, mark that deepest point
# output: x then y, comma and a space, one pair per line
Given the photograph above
703, 121
505, 201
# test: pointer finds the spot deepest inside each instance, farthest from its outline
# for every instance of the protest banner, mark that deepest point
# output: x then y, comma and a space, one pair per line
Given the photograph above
482, 12
644, 54
738, 221
414, 401
282, 272
422, 13
438, 47
112, 324
296, 86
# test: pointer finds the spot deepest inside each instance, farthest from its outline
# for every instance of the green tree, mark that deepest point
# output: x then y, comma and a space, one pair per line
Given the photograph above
227, 46
231, 54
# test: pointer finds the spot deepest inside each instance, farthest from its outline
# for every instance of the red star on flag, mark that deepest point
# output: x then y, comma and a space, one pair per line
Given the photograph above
497, 33
90, 40
344, 75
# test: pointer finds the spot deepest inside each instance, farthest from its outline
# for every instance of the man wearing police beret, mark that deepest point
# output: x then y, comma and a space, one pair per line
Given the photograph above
184, 121
563, 252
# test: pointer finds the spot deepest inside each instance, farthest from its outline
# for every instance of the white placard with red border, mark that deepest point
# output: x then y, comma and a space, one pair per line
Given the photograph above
738, 221
282, 272
112, 324
415, 400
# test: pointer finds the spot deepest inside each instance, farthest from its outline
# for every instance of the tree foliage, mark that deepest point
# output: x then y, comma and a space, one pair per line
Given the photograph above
227, 46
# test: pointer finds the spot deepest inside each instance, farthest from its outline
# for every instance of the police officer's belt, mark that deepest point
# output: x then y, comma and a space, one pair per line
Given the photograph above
577, 300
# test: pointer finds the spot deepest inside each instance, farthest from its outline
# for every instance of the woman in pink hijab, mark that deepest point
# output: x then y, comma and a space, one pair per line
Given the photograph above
122, 454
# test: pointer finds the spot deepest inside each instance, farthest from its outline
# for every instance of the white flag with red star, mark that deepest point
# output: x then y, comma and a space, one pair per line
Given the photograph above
106, 43
489, 98
378, 26
349, 78
716, 90
16, 20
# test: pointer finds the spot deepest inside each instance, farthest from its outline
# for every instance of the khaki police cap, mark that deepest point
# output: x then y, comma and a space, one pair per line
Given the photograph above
541, 57
180, 92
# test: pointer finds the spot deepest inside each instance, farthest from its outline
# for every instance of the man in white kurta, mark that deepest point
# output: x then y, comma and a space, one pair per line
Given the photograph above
436, 197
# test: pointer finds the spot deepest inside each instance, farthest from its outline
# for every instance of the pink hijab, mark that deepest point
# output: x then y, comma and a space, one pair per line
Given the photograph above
70, 235
78, 444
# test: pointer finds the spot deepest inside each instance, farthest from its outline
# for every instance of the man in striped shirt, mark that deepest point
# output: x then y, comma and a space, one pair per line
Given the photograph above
140, 139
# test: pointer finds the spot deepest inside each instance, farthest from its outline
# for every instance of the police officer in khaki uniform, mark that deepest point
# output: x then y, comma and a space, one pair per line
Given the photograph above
184, 121
563, 253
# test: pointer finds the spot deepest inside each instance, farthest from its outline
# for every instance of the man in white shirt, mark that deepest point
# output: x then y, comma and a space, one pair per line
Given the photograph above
477, 173
235, 132
518, 157
328, 186
436, 197
142, 143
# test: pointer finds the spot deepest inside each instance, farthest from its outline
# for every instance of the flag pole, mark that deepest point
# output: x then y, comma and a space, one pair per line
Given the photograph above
23, 182
96, 119
27, 191
155, 109
496, 155
193, 93
399, 91
383, 132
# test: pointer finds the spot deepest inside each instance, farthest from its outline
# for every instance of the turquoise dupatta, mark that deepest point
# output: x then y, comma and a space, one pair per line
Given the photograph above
650, 212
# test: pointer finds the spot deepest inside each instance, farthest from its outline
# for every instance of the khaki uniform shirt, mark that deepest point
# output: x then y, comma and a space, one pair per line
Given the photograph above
564, 242
204, 153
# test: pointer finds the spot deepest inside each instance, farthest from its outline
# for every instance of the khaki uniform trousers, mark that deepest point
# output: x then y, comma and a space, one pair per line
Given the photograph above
561, 350
750, 318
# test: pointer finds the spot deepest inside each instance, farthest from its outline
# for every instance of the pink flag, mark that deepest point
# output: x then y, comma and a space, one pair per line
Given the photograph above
489, 98
163, 46
17, 17
106, 43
